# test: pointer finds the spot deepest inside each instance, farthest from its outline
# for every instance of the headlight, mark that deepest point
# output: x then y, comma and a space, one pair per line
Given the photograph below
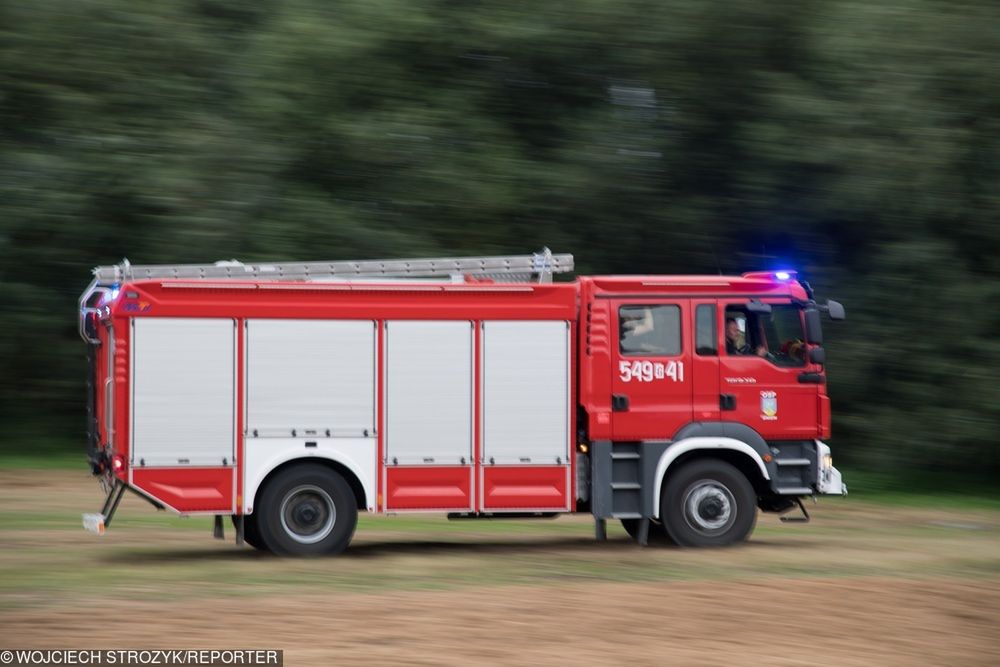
827, 461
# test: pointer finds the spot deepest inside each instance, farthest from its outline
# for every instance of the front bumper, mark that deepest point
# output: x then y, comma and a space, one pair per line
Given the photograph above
829, 480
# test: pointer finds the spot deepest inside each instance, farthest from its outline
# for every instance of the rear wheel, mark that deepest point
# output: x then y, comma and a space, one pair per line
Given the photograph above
708, 503
306, 510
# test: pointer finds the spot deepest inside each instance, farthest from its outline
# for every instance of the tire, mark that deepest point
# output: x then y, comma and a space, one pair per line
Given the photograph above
708, 503
306, 510
250, 533
657, 533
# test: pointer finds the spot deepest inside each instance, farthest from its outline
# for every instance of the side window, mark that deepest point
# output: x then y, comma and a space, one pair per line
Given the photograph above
704, 325
776, 337
741, 337
649, 330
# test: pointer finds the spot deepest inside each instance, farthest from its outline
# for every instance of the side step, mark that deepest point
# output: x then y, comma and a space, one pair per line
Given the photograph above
797, 519
622, 485
94, 523
795, 491
99, 522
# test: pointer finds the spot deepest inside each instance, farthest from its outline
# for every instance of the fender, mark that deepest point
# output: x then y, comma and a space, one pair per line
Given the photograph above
262, 456
734, 430
686, 445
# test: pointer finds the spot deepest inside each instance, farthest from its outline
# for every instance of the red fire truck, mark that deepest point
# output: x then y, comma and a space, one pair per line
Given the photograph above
291, 396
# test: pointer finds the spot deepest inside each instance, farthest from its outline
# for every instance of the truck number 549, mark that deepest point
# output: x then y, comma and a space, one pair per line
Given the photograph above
647, 371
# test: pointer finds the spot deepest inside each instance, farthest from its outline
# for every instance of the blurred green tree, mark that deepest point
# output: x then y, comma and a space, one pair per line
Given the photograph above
858, 141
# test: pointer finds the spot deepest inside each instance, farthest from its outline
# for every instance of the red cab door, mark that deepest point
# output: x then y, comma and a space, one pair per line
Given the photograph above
761, 359
651, 368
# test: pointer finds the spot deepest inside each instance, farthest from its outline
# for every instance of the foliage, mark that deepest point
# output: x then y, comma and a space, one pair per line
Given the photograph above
859, 141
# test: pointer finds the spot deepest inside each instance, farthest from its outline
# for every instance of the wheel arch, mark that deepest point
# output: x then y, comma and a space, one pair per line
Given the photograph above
735, 452
352, 479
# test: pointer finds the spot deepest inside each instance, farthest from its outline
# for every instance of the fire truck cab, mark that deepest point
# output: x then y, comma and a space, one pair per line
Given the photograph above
290, 397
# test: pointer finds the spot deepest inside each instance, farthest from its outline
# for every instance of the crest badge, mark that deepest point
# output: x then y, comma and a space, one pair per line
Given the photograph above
768, 405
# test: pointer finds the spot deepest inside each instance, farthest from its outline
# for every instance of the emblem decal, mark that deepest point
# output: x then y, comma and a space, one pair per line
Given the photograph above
140, 307
768, 405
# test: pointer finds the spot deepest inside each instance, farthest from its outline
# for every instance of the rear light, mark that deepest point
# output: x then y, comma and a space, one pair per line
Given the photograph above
118, 463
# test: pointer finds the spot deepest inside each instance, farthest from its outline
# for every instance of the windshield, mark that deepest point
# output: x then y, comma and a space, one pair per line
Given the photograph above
784, 337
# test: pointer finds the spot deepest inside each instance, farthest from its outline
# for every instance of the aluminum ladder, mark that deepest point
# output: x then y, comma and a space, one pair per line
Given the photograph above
536, 267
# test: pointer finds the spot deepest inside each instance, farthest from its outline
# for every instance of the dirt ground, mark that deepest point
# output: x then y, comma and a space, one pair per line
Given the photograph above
805, 622
860, 585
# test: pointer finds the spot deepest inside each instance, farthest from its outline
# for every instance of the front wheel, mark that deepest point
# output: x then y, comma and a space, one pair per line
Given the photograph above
708, 503
306, 510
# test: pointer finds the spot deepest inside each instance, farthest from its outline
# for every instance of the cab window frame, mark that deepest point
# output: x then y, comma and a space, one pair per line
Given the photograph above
706, 340
675, 340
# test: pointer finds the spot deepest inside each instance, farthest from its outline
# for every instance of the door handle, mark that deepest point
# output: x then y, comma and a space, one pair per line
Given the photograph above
727, 401
619, 402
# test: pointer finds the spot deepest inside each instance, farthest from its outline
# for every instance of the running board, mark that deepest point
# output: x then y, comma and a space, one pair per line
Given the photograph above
470, 516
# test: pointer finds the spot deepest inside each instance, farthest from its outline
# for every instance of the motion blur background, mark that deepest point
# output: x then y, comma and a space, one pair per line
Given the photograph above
857, 141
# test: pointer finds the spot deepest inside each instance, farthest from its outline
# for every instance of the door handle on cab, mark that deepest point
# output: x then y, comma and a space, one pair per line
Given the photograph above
619, 402
727, 401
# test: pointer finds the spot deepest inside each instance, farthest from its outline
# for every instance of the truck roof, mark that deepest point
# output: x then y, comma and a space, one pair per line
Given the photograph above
760, 284
763, 284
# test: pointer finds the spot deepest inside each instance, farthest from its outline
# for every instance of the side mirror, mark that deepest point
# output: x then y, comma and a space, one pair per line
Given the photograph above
758, 307
835, 310
817, 355
814, 329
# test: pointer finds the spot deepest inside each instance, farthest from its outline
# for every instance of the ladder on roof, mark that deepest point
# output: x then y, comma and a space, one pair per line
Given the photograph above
518, 268
538, 267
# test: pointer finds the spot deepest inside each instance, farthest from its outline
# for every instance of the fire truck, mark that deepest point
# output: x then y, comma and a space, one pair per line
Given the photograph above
290, 397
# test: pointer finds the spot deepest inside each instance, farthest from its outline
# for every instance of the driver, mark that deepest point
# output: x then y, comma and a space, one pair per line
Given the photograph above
736, 342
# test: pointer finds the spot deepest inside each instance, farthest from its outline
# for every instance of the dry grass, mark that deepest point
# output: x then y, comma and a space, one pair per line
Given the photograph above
861, 584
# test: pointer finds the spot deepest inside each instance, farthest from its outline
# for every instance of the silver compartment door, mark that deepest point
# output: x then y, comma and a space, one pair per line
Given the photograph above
525, 392
310, 376
429, 392
183, 391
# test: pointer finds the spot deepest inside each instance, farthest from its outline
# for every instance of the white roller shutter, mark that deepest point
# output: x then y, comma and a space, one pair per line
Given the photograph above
429, 392
183, 391
310, 376
525, 392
